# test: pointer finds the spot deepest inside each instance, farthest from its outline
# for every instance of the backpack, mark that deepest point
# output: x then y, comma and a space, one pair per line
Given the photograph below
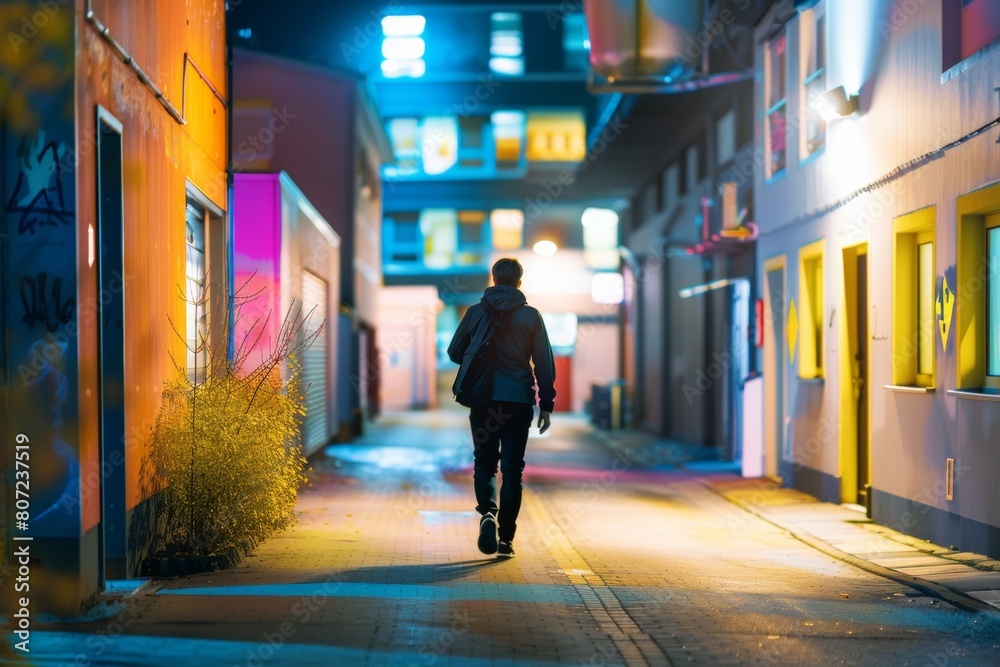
474, 383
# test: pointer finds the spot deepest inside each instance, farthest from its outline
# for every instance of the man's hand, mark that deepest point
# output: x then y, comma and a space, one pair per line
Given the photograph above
543, 421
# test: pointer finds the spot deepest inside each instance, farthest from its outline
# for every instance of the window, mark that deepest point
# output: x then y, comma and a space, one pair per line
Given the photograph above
977, 319
725, 138
576, 45
691, 170
968, 27
508, 138
506, 44
196, 293
507, 229
405, 134
471, 154
470, 238
914, 322
439, 144
403, 47
556, 136
671, 186
403, 242
813, 52
774, 86
993, 298
440, 233
811, 315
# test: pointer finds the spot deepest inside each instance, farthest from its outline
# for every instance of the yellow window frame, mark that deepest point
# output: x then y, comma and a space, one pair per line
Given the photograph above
973, 209
909, 232
812, 332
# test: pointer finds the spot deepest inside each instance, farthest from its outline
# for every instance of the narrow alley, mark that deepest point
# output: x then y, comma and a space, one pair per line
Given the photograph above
621, 560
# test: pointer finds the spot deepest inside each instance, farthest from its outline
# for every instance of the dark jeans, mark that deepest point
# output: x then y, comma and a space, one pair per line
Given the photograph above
500, 433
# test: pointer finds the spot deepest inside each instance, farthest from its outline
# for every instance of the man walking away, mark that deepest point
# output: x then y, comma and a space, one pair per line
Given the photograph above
500, 425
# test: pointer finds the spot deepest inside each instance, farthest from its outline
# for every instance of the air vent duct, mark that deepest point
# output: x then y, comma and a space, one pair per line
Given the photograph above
644, 39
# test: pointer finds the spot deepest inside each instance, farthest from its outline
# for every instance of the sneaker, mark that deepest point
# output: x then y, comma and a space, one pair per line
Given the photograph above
488, 534
505, 550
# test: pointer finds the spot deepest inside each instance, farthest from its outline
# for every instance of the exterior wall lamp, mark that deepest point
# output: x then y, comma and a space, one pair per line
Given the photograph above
835, 104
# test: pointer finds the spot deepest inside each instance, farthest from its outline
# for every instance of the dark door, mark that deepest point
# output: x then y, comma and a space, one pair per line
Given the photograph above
109, 258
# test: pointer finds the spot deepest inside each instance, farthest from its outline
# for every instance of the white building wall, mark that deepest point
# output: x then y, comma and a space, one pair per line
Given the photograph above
909, 108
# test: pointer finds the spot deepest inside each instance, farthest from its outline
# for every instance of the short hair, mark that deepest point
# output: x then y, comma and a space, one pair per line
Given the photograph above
507, 271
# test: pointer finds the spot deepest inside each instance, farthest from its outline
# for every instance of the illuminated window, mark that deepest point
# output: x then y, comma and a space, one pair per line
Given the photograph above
993, 298
811, 313
439, 144
600, 238
556, 136
506, 44
440, 233
576, 46
470, 238
774, 85
405, 135
607, 288
507, 229
813, 52
403, 47
508, 137
914, 321
561, 329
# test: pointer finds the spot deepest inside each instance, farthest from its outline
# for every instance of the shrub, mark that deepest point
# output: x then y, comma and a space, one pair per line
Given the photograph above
224, 464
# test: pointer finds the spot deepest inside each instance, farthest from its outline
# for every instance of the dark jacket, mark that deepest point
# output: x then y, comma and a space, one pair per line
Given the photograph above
521, 340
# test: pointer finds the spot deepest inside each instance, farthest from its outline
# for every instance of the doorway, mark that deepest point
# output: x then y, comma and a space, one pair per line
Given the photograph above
855, 441
109, 241
775, 307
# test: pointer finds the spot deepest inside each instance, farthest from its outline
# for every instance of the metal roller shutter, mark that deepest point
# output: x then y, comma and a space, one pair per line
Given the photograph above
315, 427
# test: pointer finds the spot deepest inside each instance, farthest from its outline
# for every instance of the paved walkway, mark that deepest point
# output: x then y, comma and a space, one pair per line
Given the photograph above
623, 558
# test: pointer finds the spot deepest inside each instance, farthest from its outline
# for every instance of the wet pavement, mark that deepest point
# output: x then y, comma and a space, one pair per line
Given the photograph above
629, 552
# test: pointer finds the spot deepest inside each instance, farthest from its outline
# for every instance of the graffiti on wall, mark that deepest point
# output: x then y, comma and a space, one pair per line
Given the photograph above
38, 270
38, 199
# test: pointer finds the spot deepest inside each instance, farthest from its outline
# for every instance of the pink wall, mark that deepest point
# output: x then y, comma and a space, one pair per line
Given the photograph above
257, 254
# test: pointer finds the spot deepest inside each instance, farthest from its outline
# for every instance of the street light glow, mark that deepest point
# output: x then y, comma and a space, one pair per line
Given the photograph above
545, 248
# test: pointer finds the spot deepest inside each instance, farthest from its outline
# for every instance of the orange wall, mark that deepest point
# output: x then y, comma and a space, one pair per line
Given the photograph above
160, 157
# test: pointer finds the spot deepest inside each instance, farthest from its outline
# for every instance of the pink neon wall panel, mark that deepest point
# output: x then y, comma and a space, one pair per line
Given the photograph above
257, 264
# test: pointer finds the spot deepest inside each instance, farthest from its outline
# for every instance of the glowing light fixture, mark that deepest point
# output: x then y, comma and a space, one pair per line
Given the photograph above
545, 248
599, 217
403, 26
835, 104
403, 48
394, 69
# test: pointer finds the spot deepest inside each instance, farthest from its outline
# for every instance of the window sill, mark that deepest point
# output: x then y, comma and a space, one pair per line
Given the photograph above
909, 389
976, 394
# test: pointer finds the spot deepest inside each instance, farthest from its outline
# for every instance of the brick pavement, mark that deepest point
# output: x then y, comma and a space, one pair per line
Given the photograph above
619, 563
